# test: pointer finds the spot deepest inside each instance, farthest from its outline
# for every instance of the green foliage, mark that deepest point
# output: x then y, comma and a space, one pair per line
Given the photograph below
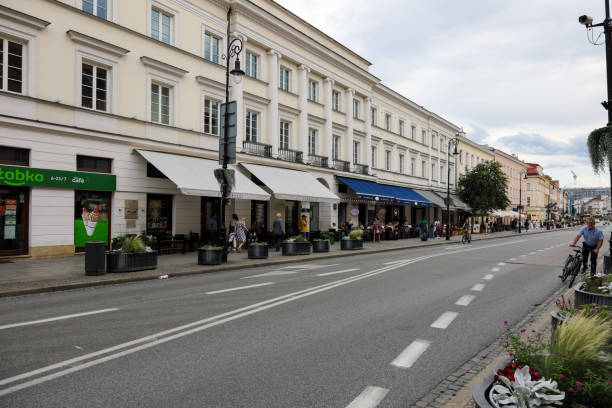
599, 144
601, 284
484, 188
132, 245
325, 235
355, 234
149, 240
211, 247
299, 238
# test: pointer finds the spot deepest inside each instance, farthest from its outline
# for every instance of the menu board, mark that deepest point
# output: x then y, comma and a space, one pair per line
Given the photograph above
10, 218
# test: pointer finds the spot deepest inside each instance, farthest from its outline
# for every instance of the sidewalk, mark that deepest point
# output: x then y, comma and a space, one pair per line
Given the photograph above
23, 276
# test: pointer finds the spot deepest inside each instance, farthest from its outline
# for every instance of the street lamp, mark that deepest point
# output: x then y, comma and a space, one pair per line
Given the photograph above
522, 175
234, 47
452, 141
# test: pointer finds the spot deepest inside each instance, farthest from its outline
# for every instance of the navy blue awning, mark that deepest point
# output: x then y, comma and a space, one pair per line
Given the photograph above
371, 191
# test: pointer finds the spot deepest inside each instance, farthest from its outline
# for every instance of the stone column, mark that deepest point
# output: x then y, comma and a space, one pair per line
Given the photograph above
272, 117
301, 133
327, 139
368, 130
349, 127
236, 94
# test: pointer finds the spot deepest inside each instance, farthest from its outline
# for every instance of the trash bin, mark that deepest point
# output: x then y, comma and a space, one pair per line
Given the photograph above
95, 258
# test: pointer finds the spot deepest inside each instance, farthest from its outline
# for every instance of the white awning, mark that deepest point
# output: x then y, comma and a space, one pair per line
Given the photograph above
289, 184
195, 176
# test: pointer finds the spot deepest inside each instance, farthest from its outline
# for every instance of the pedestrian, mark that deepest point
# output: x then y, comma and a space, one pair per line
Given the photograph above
212, 228
278, 231
424, 229
241, 232
232, 231
467, 229
304, 226
375, 230
593, 240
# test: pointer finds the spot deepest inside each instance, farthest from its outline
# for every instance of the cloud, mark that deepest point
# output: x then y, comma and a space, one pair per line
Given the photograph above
537, 144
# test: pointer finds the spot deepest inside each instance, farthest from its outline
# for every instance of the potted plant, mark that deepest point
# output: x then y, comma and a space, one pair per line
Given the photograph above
353, 241
297, 245
132, 255
328, 236
321, 244
594, 289
258, 250
210, 255
565, 310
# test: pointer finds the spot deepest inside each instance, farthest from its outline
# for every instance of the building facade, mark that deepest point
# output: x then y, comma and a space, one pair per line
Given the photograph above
515, 171
537, 193
111, 121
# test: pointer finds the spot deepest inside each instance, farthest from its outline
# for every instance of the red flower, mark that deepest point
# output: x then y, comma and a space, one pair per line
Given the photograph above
522, 330
578, 384
561, 376
571, 389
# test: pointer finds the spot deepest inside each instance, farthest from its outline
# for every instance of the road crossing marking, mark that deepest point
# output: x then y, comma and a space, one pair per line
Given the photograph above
522, 256
495, 269
53, 319
335, 272
238, 288
411, 354
488, 276
444, 320
540, 250
478, 287
465, 300
369, 398
308, 266
532, 253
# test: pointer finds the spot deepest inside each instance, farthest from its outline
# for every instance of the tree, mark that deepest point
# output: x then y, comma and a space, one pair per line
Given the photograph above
484, 188
600, 148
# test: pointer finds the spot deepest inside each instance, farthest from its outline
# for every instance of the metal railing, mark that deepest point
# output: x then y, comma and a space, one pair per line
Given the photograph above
258, 149
341, 165
290, 155
318, 161
360, 168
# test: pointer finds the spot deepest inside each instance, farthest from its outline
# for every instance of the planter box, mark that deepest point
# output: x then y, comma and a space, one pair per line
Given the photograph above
295, 248
258, 252
210, 256
117, 262
480, 393
349, 244
320, 246
581, 297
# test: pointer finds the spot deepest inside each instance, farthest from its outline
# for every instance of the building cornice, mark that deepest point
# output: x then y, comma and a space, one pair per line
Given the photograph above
255, 98
162, 66
211, 83
316, 119
288, 109
96, 43
23, 18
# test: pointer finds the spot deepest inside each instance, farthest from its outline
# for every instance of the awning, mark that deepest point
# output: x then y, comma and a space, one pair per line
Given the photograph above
371, 191
195, 176
457, 202
408, 196
289, 184
434, 198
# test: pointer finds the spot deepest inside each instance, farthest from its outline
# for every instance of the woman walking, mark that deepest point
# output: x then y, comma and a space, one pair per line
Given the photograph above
241, 232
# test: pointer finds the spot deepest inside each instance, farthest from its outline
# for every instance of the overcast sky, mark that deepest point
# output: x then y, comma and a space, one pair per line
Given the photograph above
519, 75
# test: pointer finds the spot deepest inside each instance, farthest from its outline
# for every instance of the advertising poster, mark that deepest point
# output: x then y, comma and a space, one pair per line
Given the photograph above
91, 219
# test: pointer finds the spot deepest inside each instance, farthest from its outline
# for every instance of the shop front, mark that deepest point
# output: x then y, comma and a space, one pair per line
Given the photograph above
14, 205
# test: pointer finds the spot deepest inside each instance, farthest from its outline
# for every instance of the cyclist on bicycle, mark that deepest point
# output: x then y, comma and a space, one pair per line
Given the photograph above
593, 240
467, 229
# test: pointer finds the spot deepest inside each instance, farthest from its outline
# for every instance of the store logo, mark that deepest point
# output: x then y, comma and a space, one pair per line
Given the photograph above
19, 178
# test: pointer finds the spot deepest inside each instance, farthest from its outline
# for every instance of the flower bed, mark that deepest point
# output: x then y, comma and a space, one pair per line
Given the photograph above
594, 289
320, 245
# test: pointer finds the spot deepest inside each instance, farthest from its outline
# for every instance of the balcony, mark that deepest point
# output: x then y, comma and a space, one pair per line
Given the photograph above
318, 161
257, 149
360, 169
289, 155
341, 165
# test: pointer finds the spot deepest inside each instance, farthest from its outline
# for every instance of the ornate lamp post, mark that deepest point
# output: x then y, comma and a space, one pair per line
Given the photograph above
522, 175
452, 141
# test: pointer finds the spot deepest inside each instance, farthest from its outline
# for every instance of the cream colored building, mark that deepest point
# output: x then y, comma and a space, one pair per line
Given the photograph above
538, 192
116, 105
471, 154
515, 171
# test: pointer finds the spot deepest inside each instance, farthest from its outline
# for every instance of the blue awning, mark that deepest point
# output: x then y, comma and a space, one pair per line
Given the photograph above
371, 191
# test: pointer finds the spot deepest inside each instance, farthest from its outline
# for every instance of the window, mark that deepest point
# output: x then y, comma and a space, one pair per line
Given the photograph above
528, 187
313, 91
336, 100
433, 141
94, 87
528, 201
460, 156
284, 135
211, 117
96, 7
13, 155
424, 136
161, 25
251, 64
356, 108
160, 104
472, 160
11, 66
401, 163
211, 48
373, 157
441, 173
312, 142
413, 132
401, 128
412, 167
388, 122
424, 169
251, 127
336, 148
356, 152
433, 171
93, 164
388, 160
284, 79
374, 115
442, 144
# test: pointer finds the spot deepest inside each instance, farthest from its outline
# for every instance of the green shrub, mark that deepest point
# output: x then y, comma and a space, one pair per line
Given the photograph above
356, 234
132, 245
211, 247
325, 235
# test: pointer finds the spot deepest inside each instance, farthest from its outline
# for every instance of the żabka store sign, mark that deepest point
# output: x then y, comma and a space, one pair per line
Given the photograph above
16, 176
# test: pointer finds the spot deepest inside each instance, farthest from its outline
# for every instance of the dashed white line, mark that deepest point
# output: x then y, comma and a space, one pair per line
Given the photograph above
512, 259
522, 256
478, 287
369, 398
239, 288
465, 300
411, 354
444, 320
272, 273
501, 264
540, 250
335, 272
495, 269
488, 276
53, 319
532, 253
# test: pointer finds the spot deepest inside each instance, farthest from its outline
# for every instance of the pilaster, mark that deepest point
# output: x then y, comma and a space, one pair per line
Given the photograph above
302, 129
272, 116
327, 137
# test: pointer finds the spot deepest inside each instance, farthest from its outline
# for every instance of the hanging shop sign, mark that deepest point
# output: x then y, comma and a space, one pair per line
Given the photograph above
17, 176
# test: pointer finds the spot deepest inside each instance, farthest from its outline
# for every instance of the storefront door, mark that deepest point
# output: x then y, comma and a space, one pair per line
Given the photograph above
14, 204
209, 207
291, 217
159, 214
314, 217
91, 217
259, 213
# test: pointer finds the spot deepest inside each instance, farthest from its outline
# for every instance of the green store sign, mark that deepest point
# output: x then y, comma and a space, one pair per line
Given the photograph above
16, 176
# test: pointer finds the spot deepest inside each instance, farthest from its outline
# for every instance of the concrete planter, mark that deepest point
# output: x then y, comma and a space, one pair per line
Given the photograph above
295, 248
481, 391
258, 252
350, 244
210, 256
320, 246
118, 262
582, 297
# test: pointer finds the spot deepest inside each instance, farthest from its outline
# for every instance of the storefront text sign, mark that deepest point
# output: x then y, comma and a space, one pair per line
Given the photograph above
16, 176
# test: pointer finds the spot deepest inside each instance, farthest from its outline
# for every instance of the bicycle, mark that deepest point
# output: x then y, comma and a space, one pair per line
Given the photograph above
572, 266
464, 237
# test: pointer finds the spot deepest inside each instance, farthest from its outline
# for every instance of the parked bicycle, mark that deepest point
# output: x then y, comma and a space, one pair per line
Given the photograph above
572, 266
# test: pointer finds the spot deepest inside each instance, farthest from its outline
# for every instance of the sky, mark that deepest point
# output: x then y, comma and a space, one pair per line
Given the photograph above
518, 75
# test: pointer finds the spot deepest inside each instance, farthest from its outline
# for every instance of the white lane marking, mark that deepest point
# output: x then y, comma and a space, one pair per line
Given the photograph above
512, 259
495, 269
522, 256
501, 264
465, 300
335, 272
238, 288
488, 276
307, 266
272, 273
411, 354
540, 250
53, 319
394, 262
532, 253
478, 287
369, 398
444, 320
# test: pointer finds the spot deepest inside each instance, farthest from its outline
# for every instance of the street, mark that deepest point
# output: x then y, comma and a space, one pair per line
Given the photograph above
358, 331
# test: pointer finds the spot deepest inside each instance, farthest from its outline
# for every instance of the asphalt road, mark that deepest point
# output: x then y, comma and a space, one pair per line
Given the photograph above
359, 331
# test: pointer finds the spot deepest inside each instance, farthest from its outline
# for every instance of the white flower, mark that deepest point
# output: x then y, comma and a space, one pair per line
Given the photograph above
525, 393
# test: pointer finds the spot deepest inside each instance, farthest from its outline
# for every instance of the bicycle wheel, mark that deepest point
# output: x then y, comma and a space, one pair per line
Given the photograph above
463, 239
569, 265
575, 272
